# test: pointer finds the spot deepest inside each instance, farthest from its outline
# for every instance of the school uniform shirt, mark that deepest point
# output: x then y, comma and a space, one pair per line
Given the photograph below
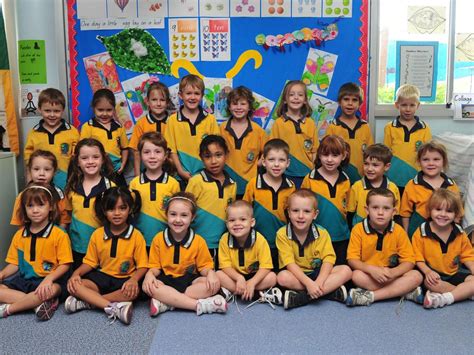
358, 197
84, 220
246, 259
268, 205
184, 137
64, 217
388, 249
404, 144
154, 195
117, 255
114, 140
61, 143
187, 257
444, 258
39, 254
302, 137
146, 124
358, 139
244, 152
332, 203
415, 199
212, 198
315, 250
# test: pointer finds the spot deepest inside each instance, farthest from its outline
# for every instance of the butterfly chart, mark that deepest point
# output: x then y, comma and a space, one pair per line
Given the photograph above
215, 39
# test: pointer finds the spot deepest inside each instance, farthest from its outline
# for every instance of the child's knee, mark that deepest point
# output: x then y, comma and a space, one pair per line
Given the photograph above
284, 278
415, 277
270, 279
358, 276
344, 270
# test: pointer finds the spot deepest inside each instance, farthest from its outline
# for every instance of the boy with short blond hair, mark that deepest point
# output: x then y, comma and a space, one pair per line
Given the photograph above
404, 135
381, 256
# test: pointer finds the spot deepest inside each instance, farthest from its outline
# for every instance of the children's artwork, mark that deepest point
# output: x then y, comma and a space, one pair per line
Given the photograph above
152, 8
426, 19
337, 8
465, 48
323, 112
215, 39
214, 8
183, 8
121, 8
318, 71
306, 8
102, 73
134, 90
174, 97
184, 39
122, 112
136, 49
262, 110
245, 8
215, 97
29, 100
276, 8
89, 9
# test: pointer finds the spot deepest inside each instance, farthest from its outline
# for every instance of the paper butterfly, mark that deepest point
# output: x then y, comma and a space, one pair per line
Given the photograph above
317, 72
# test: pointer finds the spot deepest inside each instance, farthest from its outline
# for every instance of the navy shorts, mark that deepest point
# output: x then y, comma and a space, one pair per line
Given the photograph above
313, 275
21, 284
104, 282
456, 279
180, 283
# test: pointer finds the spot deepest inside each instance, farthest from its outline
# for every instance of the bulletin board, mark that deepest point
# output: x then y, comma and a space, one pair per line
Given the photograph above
121, 44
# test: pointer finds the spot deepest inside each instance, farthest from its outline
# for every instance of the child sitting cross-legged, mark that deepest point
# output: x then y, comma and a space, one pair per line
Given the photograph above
307, 257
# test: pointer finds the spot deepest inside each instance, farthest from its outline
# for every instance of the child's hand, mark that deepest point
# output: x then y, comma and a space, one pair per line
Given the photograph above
212, 282
314, 290
379, 274
150, 284
120, 170
432, 278
44, 291
130, 288
73, 282
320, 286
240, 286
249, 291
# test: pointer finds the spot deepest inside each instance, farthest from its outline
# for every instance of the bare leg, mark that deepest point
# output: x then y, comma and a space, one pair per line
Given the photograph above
288, 280
339, 275
20, 301
89, 292
268, 281
226, 281
174, 298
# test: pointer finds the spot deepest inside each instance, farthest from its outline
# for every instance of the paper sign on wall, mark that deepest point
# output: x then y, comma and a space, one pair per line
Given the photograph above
32, 61
184, 39
215, 39
463, 107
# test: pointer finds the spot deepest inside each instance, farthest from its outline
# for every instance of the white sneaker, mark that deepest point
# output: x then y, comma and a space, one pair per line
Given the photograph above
157, 307
74, 304
228, 296
415, 296
434, 300
214, 304
3, 310
121, 310
359, 297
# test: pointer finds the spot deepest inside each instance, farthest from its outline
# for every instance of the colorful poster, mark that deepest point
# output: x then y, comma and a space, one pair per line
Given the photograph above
122, 112
183, 8
121, 8
245, 8
174, 89
215, 39
262, 111
318, 71
32, 61
152, 8
184, 39
306, 8
134, 92
102, 73
272, 8
215, 97
323, 112
214, 8
337, 8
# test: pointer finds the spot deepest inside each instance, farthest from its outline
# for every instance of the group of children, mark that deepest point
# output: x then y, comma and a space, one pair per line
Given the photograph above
217, 212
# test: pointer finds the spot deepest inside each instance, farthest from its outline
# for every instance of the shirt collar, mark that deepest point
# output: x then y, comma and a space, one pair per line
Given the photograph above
44, 233
64, 126
359, 123
114, 125
103, 185
152, 119
315, 175
288, 118
249, 242
312, 235
419, 180
426, 232
126, 234
418, 124
163, 179
201, 116
371, 230
185, 243
368, 186
229, 129
208, 178
262, 184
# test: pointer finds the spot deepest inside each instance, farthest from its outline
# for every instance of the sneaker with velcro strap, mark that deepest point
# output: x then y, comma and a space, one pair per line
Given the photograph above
73, 305
415, 296
214, 304
121, 310
45, 311
158, 307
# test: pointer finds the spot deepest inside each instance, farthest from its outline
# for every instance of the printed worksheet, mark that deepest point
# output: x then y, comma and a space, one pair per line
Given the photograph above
215, 39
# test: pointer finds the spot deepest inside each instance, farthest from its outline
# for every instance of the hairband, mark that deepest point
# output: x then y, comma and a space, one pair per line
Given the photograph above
182, 198
40, 187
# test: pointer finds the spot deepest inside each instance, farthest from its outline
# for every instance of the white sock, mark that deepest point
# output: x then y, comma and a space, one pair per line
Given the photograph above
448, 296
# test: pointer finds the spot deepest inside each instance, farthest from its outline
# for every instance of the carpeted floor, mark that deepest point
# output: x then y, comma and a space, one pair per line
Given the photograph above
326, 327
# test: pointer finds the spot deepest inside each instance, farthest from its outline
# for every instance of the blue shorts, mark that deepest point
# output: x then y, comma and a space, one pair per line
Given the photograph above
21, 284
105, 283
313, 275
456, 279
180, 283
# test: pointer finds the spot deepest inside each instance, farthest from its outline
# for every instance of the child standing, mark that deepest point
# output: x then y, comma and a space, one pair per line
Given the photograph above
351, 128
296, 126
181, 269
433, 159
214, 191
245, 261
115, 261
159, 104
377, 159
53, 134
187, 127
42, 166
89, 177
41, 252
155, 185
306, 253
381, 255
109, 132
244, 138
269, 191
332, 186
404, 136
441, 246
